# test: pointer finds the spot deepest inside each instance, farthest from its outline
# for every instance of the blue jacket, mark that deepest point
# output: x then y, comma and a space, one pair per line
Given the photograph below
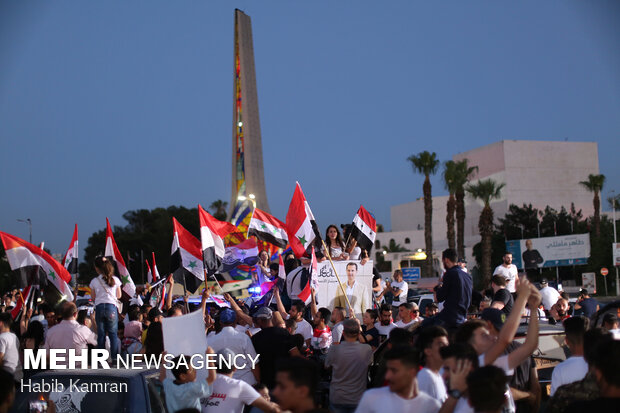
456, 295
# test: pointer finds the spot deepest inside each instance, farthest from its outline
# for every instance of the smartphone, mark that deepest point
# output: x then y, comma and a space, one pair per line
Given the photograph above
37, 406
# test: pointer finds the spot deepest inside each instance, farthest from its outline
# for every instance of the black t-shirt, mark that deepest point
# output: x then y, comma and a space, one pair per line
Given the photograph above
375, 336
588, 305
271, 344
504, 296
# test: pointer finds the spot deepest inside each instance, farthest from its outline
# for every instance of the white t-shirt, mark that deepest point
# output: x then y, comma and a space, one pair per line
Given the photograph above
502, 363
104, 294
383, 400
303, 327
9, 345
549, 297
384, 330
510, 274
337, 332
238, 343
570, 370
402, 297
432, 384
229, 396
402, 324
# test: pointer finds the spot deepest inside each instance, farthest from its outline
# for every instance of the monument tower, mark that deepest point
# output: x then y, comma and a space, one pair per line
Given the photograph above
248, 179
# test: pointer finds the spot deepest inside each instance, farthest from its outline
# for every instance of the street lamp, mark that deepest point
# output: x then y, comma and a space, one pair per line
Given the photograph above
251, 197
29, 222
613, 209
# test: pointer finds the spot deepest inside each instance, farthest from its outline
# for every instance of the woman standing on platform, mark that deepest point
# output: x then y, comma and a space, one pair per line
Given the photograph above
105, 292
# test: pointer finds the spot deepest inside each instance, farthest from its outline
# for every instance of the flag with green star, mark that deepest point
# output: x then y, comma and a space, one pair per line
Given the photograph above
268, 228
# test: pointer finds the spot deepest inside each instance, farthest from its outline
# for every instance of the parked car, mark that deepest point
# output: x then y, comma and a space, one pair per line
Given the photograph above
142, 391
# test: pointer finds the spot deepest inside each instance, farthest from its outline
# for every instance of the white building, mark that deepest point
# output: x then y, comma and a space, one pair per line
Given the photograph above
540, 173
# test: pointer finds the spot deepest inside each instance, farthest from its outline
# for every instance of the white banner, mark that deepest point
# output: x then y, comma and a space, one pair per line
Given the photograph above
616, 249
185, 335
558, 251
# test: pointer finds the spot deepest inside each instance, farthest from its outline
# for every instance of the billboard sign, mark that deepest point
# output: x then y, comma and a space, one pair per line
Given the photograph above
616, 248
411, 274
588, 281
557, 251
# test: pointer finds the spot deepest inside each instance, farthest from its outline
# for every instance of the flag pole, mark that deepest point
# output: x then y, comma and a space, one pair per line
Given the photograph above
335, 272
214, 279
184, 293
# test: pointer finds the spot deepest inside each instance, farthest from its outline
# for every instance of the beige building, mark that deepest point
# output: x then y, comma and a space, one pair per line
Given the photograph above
538, 172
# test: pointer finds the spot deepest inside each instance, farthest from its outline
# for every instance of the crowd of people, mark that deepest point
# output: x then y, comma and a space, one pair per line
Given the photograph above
459, 356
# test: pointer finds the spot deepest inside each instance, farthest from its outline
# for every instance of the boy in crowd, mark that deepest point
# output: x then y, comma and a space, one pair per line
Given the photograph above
184, 392
459, 360
575, 367
231, 395
296, 385
432, 339
487, 389
9, 347
402, 393
408, 314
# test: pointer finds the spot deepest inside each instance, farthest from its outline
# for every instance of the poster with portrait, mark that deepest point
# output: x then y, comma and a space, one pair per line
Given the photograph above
557, 251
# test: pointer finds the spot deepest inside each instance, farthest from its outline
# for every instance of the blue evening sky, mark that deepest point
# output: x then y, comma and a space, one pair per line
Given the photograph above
109, 106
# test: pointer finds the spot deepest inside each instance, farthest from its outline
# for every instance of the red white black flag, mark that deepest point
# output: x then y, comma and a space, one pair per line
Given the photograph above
364, 229
22, 254
300, 224
186, 260
212, 234
112, 252
268, 228
70, 260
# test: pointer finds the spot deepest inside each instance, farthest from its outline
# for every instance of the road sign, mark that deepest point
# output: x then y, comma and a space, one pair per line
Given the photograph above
411, 274
604, 271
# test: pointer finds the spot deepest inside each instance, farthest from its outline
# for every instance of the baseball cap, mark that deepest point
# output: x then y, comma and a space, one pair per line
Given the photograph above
494, 316
583, 291
227, 316
153, 313
462, 261
264, 312
543, 281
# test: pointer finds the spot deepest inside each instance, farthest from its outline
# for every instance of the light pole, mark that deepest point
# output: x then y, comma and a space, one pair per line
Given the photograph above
29, 222
613, 209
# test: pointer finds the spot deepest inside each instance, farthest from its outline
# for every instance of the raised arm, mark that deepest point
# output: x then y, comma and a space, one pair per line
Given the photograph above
313, 308
507, 333
240, 314
169, 297
531, 339
281, 308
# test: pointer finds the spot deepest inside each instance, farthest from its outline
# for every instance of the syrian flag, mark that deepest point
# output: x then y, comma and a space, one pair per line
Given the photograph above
70, 260
281, 271
300, 224
268, 228
298, 284
364, 229
112, 252
24, 302
245, 253
212, 234
186, 260
22, 254
153, 274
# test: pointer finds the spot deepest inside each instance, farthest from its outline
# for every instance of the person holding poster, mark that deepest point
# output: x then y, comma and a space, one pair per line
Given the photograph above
356, 293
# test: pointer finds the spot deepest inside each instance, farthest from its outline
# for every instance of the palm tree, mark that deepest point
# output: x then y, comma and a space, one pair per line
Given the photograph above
218, 208
595, 184
486, 191
463, 173
449, 171
426, 163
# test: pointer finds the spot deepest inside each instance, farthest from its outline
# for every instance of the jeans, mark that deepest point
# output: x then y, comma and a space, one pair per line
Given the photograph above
342, 408
106, 316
